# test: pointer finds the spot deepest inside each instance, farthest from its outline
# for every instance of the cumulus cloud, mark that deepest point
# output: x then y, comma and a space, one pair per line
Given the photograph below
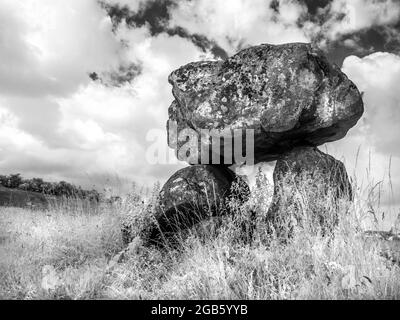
79, 128
241, 23
50, 46
378, 76
360, 14
344, 17
46, 50
377, 135
155, 16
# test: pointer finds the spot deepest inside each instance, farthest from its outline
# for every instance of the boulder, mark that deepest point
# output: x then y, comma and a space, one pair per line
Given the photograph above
289, 95
308, 185
191, 195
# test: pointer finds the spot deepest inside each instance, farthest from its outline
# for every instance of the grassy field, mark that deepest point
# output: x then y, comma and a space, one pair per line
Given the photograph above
67, 253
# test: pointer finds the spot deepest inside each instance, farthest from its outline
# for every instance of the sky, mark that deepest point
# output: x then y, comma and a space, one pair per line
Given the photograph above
84, 91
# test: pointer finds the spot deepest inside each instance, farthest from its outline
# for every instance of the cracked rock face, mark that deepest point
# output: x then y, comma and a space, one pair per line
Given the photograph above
191, 195
308, 184
289, 94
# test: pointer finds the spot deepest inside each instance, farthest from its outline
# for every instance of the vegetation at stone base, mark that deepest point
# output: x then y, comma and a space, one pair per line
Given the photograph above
59, 189
55, 255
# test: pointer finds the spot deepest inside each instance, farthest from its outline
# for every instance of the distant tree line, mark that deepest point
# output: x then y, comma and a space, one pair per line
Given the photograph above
62, 188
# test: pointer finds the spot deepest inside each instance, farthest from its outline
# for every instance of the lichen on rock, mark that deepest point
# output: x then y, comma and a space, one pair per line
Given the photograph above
289, 94
191, 195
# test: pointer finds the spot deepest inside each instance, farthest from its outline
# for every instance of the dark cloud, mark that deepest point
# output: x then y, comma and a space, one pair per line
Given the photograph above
385, 38
116, 78
199, 41
338, 51
275, 5
364, 42
156, 15
314, 6
391, 36
318, 13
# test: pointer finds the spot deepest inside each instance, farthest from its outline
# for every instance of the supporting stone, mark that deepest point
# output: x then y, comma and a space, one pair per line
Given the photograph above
192, 195
309, 185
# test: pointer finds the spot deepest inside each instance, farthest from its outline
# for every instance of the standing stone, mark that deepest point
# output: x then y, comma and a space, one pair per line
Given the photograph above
289, 94
308, 185
191, 195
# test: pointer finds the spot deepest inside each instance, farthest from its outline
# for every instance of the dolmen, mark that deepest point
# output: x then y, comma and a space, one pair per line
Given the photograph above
265, 103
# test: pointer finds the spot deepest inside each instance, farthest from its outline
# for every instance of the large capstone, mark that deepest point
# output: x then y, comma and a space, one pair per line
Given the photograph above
194, 194
309, 186
289, 94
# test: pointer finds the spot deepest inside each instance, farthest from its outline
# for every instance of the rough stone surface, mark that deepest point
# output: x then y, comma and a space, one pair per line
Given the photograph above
289, 94
191, 195
308, 182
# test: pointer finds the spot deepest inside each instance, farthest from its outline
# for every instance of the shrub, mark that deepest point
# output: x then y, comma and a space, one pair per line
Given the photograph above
60, 189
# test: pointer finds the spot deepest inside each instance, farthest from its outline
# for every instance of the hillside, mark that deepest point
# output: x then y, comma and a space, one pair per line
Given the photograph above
22, 199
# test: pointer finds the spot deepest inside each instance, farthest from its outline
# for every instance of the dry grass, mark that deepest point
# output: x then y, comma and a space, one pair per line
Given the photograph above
228, 262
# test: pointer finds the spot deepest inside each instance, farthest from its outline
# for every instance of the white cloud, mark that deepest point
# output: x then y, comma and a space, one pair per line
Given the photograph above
377, 135
348, 16
56, 123
241, 22
126, 114
11, 138
51, 45
378, 76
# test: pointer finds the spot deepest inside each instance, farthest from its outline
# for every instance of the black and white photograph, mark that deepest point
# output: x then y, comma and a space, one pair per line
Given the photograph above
199, 150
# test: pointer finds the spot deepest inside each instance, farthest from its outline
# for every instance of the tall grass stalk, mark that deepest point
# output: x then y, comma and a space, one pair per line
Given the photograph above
232, 256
